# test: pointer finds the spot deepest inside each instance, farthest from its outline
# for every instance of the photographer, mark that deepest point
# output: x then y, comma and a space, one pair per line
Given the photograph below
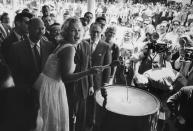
173, 36
184, 63
151, 54
181, 103
155, 72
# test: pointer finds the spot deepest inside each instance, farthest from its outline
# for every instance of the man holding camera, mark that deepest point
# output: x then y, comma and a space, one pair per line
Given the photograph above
153, 70
181, 103
184, 63
153, 52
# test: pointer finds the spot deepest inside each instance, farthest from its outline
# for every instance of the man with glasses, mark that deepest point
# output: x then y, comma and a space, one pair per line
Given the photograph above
173, 35
55, 30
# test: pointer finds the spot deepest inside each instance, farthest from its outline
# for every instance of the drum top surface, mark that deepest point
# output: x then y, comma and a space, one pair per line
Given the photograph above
139, 102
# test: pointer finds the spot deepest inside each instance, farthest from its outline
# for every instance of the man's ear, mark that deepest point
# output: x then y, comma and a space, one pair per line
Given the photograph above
17, 23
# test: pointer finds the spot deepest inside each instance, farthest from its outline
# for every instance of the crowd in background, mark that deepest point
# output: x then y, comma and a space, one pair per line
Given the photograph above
54, 57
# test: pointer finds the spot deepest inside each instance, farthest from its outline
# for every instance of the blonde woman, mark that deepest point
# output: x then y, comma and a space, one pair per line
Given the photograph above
59, 69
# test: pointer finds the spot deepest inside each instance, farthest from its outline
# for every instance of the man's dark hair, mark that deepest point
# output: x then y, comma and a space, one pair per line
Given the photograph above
19, 17
84, 21
25, 10
52, 15
3, 15
45, 6
98, 19
55, 24
87, 13
95, 24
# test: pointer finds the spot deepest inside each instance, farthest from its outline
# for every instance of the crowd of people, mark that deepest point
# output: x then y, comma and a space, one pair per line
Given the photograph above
50, 68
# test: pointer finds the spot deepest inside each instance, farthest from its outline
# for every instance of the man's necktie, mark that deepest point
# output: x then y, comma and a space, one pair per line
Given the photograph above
93, 46
37, 57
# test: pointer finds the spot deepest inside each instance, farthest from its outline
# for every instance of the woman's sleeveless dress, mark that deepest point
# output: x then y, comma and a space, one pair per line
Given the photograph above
53, 99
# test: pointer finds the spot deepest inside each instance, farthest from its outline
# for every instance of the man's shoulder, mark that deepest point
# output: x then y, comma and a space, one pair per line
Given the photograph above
11, 38
45, 41
18, 44
85, 41
104, 44
187, 88
6, 26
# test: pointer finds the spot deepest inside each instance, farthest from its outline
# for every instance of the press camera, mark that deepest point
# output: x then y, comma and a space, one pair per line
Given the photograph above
188, 54
153, 44
183, 41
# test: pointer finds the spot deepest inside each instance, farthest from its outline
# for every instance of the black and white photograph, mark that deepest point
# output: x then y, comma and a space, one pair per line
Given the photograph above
96, 65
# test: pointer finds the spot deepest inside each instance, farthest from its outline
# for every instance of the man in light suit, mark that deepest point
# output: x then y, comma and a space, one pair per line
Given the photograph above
100, 56
28, 57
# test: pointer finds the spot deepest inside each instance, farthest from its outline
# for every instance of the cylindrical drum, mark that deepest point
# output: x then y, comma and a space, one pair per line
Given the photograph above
126, 109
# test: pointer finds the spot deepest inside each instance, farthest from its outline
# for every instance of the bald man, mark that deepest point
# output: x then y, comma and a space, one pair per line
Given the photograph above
28, 56
27, 59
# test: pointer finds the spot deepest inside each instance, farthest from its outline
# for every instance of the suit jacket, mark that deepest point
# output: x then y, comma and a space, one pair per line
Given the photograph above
181, 103
7, 28
18, 109
82, 59
12, 38
23, 64
101, 56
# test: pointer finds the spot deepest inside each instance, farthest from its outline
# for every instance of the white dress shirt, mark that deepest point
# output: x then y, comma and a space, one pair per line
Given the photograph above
94, 45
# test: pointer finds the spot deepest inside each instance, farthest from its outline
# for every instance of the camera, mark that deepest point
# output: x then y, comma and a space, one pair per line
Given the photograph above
161, 47
154, 45
188, 54
183, 41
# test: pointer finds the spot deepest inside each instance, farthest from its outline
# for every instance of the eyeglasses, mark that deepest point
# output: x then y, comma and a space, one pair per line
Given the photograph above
145, 23
175, 24
162, 26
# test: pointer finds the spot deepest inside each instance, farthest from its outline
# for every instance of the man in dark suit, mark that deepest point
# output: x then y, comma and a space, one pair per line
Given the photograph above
28, 57
78, 91
100, 56
17, 104
17, 34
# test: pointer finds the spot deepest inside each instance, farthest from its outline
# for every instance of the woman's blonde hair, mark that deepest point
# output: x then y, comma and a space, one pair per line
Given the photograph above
111, 28
68, 23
